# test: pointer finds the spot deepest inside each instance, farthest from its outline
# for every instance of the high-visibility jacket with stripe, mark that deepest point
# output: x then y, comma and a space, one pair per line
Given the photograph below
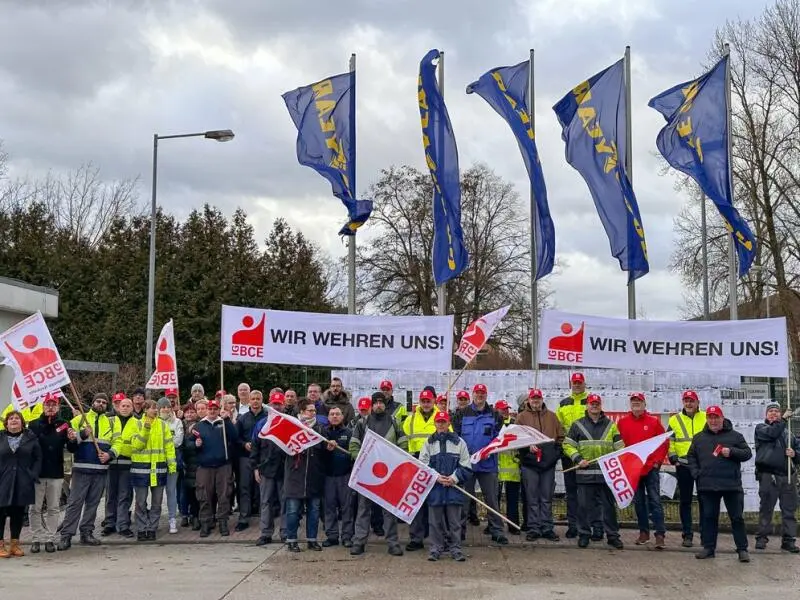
418, 429
29, 414
86, 459
684, 428
508, 462
153, 453
125, 434
589, 440
571, 408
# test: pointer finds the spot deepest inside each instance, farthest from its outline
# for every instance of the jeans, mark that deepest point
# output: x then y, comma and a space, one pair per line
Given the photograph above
648, 499
172, 495
685, 491
293, 518
734, 502
512, 499
147, 518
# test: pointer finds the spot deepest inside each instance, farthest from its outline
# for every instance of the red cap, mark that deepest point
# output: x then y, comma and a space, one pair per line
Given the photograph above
277, 398
441, 398
426, 395
220, 394
442, 416
462, 394
637, 396
714, 410
213, 404
118, 397
171, 392
535, 393
577, 378
501, 405
479, 388
594, 399
385, 385
53, 399
690, 395
364, 403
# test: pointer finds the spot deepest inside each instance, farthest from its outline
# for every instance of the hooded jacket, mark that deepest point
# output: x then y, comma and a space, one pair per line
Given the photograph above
772, 440
717, 473
546, 421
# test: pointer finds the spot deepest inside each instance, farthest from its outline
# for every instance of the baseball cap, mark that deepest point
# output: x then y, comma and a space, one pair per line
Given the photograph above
577, 378
501, 405
213, 403
277, 398
479, 388
220, 393
714, 410
386, 385
53, 399
637, 396
535, 393
441, 398
118, 397
426, 395
171, 392
462, 394
441, 416
594, 399
690, 395
364, 403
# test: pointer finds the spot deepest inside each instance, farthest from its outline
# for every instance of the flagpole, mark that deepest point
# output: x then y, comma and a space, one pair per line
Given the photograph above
629, 164
704, 250
442, 304
534, 258
732, 274
486, 506
351, 241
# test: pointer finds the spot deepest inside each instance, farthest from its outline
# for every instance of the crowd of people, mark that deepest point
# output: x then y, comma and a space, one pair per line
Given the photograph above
205, 457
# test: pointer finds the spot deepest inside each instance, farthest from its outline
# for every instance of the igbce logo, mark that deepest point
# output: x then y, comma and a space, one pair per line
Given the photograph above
298, 442
37, 364
248, 342
567, 347
618, 479
394, 490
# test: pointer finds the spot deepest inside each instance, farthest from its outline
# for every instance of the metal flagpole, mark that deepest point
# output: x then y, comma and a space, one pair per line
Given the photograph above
789, 406
534, 258
629, 164
704, 250
351, 241
442, 304
732, 274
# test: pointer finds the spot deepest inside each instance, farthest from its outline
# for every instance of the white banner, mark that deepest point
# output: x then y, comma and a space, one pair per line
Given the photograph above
30, 350
478, 332
755, 347
166, 373
391, 477
321, 339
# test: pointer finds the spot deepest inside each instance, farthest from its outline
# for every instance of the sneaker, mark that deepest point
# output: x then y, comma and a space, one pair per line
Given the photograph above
36, 547
660, 542
293, 547
141, 536
314, 546
173, 526
643, 538
572, 533
583, 541
330, 542
49, 547
687, 541
552, 536
126, 533
241, 526
615, 543
414, 545
744, 556
761, 544
396, 550
107, 531
357, 550
263, 541
459, 557
433, 556
790, 546
89, 540
500, 540
704, 553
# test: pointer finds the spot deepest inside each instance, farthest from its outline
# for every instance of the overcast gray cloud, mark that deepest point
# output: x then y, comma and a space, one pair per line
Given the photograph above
92, 81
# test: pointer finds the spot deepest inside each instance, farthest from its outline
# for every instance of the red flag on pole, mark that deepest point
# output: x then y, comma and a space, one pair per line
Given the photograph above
288, 433
166, 373
623, 469
478, 332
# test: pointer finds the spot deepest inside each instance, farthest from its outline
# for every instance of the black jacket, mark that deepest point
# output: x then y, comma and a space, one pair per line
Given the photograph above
267, 458
771, 444
19, 471
244, 427
189, 455
212, 452
338, 463
717, 473
52, 443
304, 473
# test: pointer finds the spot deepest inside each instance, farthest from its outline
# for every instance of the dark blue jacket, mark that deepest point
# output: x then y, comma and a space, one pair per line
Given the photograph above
212, 453
447, 454
477, 428
338, 463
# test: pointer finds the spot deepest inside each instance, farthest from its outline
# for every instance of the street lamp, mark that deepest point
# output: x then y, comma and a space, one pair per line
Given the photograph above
219, 135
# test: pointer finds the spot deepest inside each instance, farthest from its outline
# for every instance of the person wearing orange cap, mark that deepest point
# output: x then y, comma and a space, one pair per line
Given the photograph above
266, 463
715, 461
590, 438
448, 455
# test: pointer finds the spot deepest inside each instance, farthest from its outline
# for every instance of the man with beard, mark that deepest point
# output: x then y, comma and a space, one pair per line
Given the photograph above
138, 403
396, 409
382, 423
337, 396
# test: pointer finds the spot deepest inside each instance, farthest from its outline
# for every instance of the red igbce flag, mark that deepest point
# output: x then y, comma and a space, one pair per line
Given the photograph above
623, 469
288, 433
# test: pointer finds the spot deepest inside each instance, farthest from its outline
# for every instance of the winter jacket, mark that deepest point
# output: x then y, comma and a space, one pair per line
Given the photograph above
342, 401
304, 473
398, 410
589, 440
477, 428
153, 455
634, 430
123, 428
189, 455
338, 463
212, 453
86, 458
267, 458
19, 471
448, 455
546, 421
717, 473
52, 443
384, 425
772, 440
246, 427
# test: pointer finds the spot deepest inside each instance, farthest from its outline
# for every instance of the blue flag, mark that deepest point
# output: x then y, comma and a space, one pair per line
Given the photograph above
450, 257
592, 116
506, 89
695, 142
324, 114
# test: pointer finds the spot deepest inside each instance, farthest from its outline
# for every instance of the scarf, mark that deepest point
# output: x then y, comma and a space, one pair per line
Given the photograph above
14, 440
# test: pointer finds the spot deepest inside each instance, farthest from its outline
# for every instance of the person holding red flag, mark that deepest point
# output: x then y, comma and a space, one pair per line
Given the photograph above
637, 426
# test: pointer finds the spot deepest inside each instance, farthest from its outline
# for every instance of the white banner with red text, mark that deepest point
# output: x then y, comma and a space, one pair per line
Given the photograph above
755, 347
321, 339
391, 477
478, 333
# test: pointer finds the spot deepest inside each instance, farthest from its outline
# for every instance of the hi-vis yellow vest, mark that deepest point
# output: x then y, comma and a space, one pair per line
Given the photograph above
508, 464
419, 430
684, 428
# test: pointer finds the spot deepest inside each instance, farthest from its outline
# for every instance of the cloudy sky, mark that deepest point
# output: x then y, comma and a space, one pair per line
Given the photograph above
91, 81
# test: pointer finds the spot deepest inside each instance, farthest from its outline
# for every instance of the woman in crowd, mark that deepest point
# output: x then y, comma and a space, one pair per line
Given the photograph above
190, 419
20, 463
167, 413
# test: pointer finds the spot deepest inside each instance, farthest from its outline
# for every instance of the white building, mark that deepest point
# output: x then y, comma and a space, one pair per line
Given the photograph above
19, 300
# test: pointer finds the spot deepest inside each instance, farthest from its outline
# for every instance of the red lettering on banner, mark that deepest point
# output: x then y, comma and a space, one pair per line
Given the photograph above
574, 357
625, 494
247, 351
619, 482
44, 374
405, 508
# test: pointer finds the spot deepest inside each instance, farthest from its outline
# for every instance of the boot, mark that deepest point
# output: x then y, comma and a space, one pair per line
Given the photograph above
223, 528
660, 542
704, 553
15, 549
205, 530
4, 553
36, 547
790, 546
643, 538
65, 543
195, 524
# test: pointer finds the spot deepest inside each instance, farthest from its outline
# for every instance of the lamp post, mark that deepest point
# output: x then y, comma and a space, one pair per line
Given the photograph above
219, 135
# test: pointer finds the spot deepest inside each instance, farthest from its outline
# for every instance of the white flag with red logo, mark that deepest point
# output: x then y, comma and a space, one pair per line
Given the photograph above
391, 477
166, 373
29, 350
623, 469
511, 437
288, 433
478, 332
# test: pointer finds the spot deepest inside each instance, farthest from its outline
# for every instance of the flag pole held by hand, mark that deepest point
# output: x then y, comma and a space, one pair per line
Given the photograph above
486, 506
576, 467
84, 421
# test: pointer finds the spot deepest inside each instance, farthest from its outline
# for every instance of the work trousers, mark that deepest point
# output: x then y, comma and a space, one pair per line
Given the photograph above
362, 525
147, 518
214, 485
590, 497
119, 496
445, 528
85, 492
338, 500
773, 489
710, 504
269, 489
539, 488
45, 529
488, 483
